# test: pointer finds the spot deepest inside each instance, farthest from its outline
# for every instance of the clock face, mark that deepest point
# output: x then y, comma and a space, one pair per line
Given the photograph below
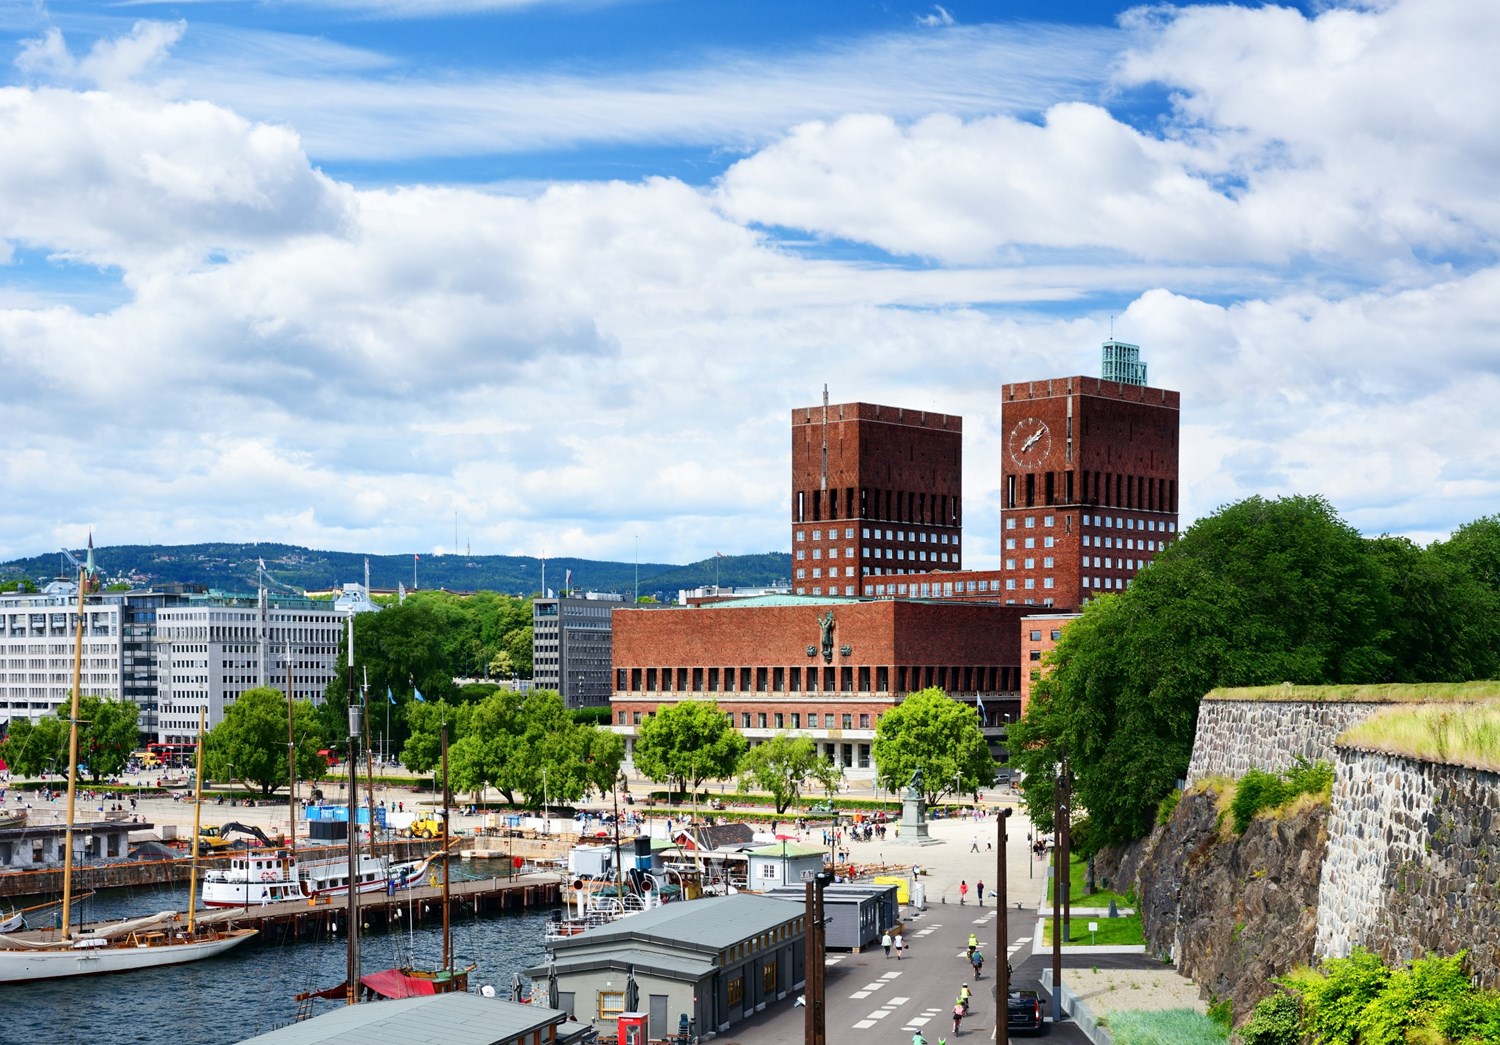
1029, 442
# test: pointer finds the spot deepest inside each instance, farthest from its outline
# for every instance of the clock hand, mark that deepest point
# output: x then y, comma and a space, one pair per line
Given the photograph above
1029, 443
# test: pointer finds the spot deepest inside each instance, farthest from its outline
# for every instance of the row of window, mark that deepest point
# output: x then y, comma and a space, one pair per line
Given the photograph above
877, 533
1029, 542
1030, 564
1121, 542
916, 555
1118, 523
1106, 582
1036, 635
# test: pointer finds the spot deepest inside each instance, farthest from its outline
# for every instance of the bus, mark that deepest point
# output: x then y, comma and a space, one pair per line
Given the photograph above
172, 755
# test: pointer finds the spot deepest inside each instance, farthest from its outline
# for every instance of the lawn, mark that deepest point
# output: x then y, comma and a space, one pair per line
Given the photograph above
1167, 1027
1078, 874
1112, 931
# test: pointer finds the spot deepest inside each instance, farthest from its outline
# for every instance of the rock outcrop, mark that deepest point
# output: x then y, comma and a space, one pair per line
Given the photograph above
1233, 912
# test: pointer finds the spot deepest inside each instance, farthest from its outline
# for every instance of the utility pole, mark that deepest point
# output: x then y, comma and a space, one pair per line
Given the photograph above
814, 1022
1002, 935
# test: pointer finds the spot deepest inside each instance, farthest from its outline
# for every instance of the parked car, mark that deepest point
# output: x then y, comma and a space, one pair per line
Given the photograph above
1025, 1013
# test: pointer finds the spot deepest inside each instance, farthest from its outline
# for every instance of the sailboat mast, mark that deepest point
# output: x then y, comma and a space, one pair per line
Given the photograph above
291, 763
67, 904
351, 996
447, 932
197, 823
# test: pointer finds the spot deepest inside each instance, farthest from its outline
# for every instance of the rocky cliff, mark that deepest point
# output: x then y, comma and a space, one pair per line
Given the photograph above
1233, 912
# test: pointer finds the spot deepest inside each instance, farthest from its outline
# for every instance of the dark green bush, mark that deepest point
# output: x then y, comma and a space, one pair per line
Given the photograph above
1277, 1020
1259, 790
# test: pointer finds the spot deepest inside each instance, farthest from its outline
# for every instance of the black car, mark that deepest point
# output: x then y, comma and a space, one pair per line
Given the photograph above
1025, 1012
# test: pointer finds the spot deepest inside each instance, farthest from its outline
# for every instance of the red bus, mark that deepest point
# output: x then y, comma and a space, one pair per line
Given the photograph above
174, 754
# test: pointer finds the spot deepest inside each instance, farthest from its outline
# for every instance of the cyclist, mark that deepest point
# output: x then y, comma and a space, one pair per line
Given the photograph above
977, 959
958, 1018
964, 995
973, 944
917, 1039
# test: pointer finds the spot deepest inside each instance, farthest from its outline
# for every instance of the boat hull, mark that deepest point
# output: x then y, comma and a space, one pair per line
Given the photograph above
23, 966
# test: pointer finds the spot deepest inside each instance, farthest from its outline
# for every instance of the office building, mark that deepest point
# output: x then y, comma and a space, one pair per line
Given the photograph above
571, 646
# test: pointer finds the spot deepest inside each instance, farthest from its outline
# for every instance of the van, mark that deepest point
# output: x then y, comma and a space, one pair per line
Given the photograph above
149, 759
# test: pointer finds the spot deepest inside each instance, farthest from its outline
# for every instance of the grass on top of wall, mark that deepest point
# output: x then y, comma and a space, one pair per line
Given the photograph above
1078, 875
1390, 693
1456, 734
1112, 932
1166, 1027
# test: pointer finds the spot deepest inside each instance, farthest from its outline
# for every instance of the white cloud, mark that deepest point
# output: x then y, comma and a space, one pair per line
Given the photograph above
111, 62
940, 16
298, 358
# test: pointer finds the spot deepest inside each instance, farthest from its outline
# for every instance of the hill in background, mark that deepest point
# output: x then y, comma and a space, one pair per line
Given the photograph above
232, 567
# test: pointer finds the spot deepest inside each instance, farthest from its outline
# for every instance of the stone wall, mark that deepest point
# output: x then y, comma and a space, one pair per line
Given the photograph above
1412, 863
1235, 736
1232, 911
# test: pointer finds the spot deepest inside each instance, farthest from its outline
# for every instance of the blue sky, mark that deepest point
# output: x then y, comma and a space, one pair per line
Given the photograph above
328, 271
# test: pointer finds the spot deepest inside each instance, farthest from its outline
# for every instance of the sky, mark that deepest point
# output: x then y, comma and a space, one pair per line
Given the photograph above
547, 277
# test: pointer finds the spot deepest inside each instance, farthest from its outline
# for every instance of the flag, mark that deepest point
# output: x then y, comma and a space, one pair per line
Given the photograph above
417, 695
718, 555
567, 580
390, 698
400, 592
980, 701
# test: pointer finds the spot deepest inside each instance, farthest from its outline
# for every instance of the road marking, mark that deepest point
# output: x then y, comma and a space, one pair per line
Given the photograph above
924, 932
928, 1015
864, 1025
889, 975
856, 994
898, 1001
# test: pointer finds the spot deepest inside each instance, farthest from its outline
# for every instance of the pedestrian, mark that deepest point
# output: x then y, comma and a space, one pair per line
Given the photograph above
963, 892
885, 941
979, 891
900, 942
974, 844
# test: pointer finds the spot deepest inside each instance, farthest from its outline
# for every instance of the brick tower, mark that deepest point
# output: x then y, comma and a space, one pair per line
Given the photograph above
1088, 481
876, 490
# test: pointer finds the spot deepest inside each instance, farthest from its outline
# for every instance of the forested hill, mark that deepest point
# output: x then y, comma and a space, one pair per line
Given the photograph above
232, 567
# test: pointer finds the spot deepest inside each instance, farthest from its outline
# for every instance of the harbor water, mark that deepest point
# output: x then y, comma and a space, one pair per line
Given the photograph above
251, 989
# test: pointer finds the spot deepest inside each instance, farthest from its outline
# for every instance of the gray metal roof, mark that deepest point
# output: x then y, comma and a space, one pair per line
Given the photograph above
673, 966
442, 1019
712, 923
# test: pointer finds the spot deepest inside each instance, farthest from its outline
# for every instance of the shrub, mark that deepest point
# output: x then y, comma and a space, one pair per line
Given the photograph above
1258, 790
1335, 1000
1276, 1020
1167, 806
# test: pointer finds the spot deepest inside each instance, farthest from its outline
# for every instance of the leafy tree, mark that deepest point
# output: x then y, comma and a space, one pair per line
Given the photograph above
828, 775
107, 734
25, 587
423, 748
250, 744
931, 731
1259, 593
33, 748
602, 752
779, 766
687, 743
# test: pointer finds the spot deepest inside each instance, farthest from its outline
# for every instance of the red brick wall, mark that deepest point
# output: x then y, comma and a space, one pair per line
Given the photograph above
1033, 650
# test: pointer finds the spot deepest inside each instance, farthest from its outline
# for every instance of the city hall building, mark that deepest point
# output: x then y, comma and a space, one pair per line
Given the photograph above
824, 666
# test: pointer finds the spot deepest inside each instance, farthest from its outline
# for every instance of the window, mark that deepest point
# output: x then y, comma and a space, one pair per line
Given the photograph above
1031, 564
760, 720
1010, 524
635, 720
1030, 522
833, 553
865, 533
1048, 541
849, 553
1036, 654
848, 720
828, 720
1046, 582
817, 535
611, 1004
1010, 584
1056, 634
796, 720
1046, 520
1031, 582
817, 553
849, 533
736, 990
1031, 542
864, 721
1010, 544
801, 575
849, 572
1035, 636
817, 572
1047, 562
744, 720
801, 554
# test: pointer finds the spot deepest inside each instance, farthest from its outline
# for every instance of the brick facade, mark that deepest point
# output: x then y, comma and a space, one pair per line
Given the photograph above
875, 490
1089, 467
751, 657
1039, 634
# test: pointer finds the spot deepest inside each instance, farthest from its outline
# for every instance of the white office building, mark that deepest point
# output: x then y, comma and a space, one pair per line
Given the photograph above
37, 642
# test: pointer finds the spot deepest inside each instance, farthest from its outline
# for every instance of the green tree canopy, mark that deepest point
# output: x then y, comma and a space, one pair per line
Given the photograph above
688, 742
931, 731
107, 734
1259, 593
250, 744
780, 767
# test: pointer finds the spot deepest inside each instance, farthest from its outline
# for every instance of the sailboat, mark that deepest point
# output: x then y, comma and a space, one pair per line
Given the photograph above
140, 943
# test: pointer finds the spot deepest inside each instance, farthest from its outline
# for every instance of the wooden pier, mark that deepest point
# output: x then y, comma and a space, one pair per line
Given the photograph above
378, 911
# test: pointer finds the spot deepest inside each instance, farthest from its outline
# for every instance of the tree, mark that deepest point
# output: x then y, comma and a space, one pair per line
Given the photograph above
931, 731
250, 744
602, 753
107, 734
34, 748
828, 775
688, 743
779, 766
1259, 593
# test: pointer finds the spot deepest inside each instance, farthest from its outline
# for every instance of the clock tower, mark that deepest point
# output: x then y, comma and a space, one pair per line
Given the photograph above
1088, 481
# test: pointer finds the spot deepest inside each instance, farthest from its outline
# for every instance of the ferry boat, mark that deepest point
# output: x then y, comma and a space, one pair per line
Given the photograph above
272, 876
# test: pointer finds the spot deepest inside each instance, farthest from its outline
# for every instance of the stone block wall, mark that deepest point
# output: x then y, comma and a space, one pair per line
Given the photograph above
1413, 861
1235, 736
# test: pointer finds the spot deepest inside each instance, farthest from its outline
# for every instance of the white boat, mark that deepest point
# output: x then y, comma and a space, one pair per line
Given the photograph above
145, 943
273, 876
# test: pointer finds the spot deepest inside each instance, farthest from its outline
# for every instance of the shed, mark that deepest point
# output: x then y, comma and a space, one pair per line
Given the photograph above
454, 1019
785, 863
856, 913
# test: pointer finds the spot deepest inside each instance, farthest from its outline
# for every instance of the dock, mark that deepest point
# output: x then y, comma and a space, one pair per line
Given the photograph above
378, 911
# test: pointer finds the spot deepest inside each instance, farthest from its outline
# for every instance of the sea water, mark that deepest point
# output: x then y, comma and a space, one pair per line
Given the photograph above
251, 989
